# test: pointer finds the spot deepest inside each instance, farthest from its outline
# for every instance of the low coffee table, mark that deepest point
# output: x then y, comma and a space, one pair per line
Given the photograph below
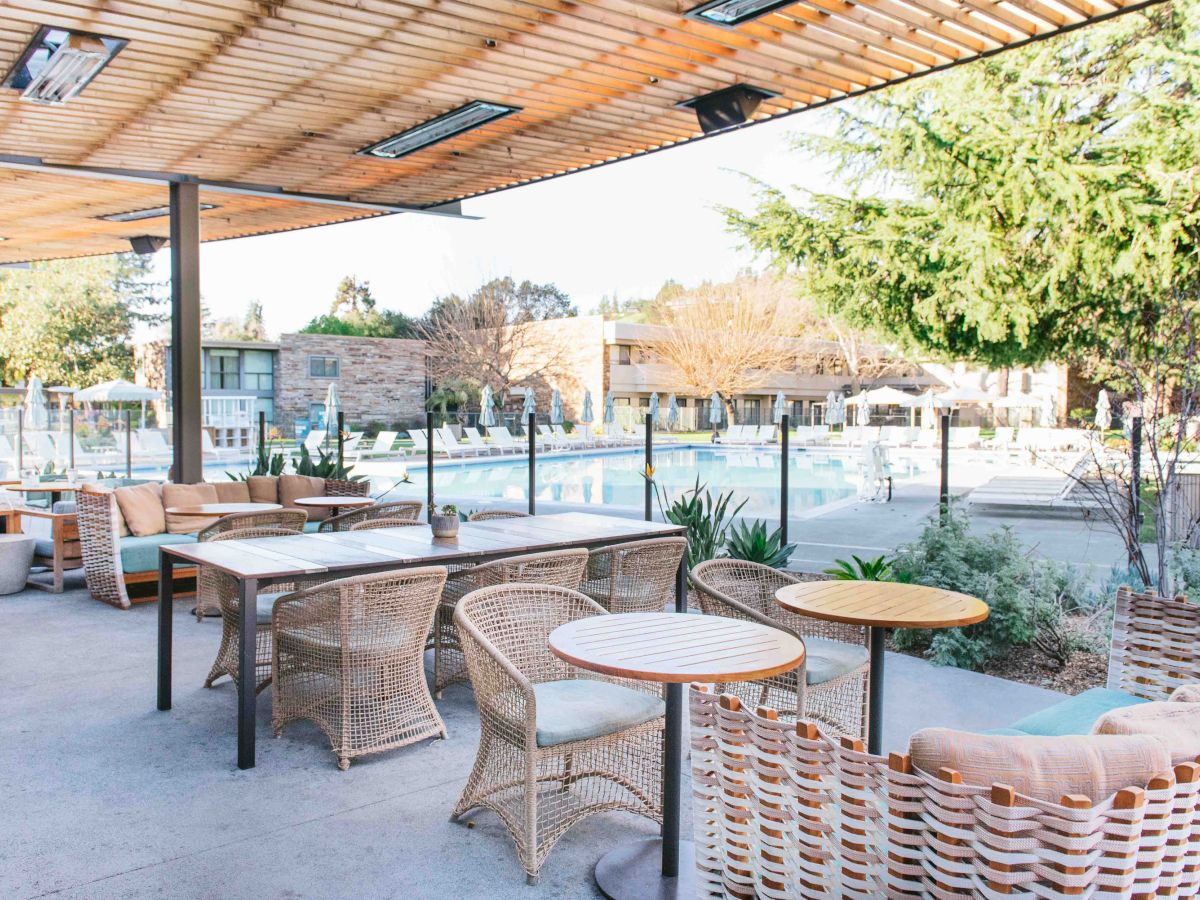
217, 510
335, 505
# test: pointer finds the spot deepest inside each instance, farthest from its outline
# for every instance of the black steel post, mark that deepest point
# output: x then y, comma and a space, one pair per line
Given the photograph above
20, 440
875, 692
530, 431
341, 427
247, 672
262, 434
166, 589
784, 459
187, 413
649, 471
129, 445
1135, 475
944, 494
71, 437
429, 464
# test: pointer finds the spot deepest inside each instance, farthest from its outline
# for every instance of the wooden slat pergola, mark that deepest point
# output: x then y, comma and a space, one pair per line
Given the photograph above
259, 108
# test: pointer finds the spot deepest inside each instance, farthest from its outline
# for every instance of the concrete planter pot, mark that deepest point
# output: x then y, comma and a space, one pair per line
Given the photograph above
444, 526
16, 556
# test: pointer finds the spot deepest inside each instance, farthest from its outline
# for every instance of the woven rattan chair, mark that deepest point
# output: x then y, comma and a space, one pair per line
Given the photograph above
393, 509
349, 655
746, 590
563, 568
374, 524
635, 577
215, 586
263, 524
538, 787
484, 514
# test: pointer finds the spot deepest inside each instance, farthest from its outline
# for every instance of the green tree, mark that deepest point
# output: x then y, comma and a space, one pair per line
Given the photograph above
250, 327
71, 321
1027, 207
352, 296
354, 313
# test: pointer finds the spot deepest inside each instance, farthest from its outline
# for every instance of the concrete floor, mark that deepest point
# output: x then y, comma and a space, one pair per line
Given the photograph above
102, 796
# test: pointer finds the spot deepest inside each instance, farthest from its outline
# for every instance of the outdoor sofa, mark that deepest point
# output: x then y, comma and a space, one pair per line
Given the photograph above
123, 524
1096, 796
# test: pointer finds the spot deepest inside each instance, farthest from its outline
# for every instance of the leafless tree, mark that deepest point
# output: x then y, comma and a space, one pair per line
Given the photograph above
727, 337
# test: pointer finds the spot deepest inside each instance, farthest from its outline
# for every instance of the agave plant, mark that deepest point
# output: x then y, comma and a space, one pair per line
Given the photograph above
753, 543
878, 569
325, 466
266, 462
705, 517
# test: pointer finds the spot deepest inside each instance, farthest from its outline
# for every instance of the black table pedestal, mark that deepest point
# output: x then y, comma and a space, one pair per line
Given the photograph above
634, 872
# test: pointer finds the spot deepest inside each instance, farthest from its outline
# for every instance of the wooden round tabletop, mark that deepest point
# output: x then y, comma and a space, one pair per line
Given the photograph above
208, 510
46, 487
676, 647
882, 604
334, 502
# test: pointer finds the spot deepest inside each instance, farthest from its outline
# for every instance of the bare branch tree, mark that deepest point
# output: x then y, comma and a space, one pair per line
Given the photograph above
727, 337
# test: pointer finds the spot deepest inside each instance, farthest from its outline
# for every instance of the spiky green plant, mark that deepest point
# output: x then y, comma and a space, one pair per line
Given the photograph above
705, 517
325, 466
878, 569
753, 543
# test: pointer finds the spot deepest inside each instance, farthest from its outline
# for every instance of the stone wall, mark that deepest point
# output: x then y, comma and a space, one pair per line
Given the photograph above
380, 379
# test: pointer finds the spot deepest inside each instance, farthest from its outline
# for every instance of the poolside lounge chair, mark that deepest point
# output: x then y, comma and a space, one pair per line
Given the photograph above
382, 447
84, 457
1045, 491
313, 441
572, 439
478, 444
962, 438
502, 438
451, 445
43, 446
210, 451
149, 445
767, 434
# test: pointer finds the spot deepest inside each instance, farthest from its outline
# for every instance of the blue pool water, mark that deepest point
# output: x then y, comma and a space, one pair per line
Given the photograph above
815, 479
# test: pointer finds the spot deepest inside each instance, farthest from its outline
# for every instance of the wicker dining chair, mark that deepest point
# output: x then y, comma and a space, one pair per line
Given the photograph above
484, 514
349, 656
264, 524
634, 577
393, 509
373, 524
557, 743
563, 568
837, 662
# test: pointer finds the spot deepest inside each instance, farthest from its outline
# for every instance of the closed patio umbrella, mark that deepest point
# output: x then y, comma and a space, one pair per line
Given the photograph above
331, 408
862, 416
1103, 411
831, 408
487, 410
530, 407
672, 412
715, 410
610, 411
780, 408
928, 411
556, 408
1049, 418
652, 410
587, 417
36, 418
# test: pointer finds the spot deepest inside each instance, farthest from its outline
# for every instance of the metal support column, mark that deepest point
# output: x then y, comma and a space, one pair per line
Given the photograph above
944, 493
531, 432
187, 410
341, 427
429, 466
649, 470
784, 459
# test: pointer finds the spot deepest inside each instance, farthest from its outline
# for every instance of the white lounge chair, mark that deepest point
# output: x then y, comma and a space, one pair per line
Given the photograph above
42, 447
381, 447
502, 438
313, 441
766, 434
964, 437
445, 441
476, 442
572, 440
209, 450
149, 445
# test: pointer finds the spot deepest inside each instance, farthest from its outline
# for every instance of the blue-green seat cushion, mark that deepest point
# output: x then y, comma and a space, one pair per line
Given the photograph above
140, 554
579, 709
1075, 715
825, 660
311, 527
266, 603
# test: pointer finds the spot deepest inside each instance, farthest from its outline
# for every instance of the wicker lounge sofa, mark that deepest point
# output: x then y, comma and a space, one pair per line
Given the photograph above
1088, 799
122, 524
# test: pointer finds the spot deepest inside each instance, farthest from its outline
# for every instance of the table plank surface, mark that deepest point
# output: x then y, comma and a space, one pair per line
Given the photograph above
882, 604
675, 647
277, 557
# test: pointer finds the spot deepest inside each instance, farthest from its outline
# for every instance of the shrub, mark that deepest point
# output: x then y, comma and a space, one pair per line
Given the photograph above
753, 543
878, 569
705, 517
1027, 597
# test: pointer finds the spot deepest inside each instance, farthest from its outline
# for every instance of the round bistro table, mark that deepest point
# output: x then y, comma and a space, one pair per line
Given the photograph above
671, 649
879, 605
54, 488
211, 510
335, 505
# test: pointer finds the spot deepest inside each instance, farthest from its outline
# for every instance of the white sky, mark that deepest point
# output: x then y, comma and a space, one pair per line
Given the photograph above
621, 229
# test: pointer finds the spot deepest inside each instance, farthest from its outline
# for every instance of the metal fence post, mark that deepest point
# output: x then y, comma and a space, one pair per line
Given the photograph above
530, 432
262, 433
649, 466
20, 440
71, 437
129, 444
783, 480
944, 494
429, 464
341, 427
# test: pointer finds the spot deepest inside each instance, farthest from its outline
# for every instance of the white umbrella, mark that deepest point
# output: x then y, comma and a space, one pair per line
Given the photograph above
780, 407
862, 416
610, 412
1103, 411
331, 407
36, 418
653, 408
672, 412
957, 396
928, 411
487, 411
831, 408
883, 396
1049, 418
556, 409
715, 409
118, 391
530, 407
588, 416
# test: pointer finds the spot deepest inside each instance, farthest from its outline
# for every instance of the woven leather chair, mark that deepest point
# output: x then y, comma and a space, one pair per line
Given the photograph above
393, 509
563, 568
349, 655
263, 524
484, 514
837, 663
545, 762
634, 577
373, 524
215, 586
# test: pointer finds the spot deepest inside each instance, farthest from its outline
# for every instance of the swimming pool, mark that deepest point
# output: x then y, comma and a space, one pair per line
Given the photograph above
615, 479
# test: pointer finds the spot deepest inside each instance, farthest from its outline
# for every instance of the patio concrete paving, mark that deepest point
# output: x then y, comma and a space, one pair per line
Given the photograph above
104, 796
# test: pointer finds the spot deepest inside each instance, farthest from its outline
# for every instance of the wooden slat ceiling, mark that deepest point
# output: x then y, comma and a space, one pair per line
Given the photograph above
283, 92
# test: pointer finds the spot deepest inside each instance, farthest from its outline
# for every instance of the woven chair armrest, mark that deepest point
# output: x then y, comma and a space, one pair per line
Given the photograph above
503, 689
726, 606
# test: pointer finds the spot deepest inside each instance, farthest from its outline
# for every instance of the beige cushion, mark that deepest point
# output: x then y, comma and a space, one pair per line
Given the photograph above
293, 487
1048, 768
233, 492
1176, 724
1189, 693
142, 508
187, 495
263, 488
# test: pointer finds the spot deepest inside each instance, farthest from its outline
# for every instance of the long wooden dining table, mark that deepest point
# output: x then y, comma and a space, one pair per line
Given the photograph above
257, 563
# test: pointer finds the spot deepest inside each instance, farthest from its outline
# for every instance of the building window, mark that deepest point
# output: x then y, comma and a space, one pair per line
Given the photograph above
620, 401
323, 367
259, 366
263, 405
223, 370
624, 355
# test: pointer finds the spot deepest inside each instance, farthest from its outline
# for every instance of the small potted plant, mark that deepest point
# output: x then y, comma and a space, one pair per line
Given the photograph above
444, 521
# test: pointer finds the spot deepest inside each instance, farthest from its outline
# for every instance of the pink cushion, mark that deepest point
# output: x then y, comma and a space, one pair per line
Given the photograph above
233, 492
293, 487
263, 488
142, 508
187, 495
1176, 724
1047, 768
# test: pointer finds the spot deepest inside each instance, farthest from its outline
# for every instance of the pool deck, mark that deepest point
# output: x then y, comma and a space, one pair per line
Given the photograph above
105, 797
